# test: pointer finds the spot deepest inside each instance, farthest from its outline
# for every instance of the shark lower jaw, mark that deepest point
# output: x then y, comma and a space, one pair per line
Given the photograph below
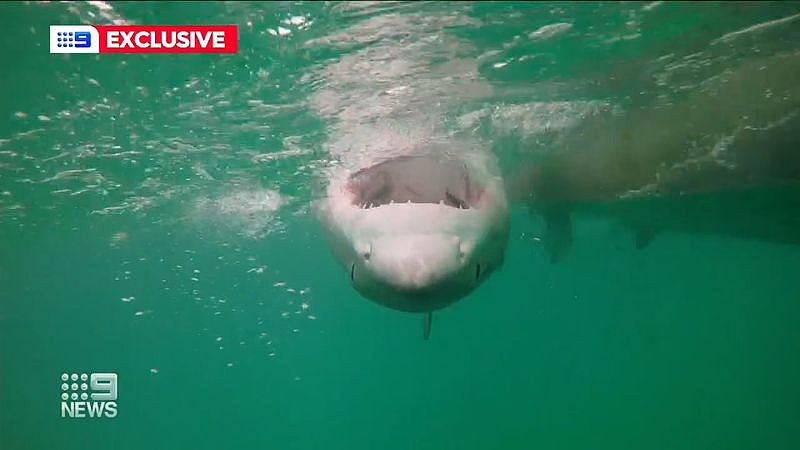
417, 298
413, 301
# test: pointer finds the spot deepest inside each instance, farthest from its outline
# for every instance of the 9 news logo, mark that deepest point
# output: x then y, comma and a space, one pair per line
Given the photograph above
144, 38
97, 398
74, 39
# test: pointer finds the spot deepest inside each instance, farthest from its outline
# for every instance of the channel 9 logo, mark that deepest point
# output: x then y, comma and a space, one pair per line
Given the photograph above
97, 398
144, 38
74, 39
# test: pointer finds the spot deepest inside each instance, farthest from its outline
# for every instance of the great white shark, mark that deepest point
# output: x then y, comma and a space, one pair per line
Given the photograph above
414, 209
418, 226
417, 233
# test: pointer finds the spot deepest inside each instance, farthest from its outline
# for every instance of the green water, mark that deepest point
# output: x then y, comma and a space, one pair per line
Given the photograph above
156, 221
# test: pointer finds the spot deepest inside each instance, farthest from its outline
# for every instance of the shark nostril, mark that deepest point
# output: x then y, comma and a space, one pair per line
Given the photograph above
365, 250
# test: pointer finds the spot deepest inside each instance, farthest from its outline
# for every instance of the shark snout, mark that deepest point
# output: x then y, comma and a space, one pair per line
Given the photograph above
414, 262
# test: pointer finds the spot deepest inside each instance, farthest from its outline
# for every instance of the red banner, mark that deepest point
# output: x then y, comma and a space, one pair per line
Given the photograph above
168, 38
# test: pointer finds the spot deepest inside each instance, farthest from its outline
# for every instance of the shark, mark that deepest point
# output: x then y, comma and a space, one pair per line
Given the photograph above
417, 233
416, 210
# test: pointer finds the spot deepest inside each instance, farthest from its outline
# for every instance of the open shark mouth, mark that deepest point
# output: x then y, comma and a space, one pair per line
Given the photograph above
411, 179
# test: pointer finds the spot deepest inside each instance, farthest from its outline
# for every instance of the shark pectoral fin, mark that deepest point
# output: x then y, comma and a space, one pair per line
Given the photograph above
426, 326
558, 233
643, 237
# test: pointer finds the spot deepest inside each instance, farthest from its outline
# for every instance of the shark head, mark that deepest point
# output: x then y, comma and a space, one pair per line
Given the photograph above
416, 234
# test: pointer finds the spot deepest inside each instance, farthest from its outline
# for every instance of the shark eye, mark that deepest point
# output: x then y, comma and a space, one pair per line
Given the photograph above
352, 271
477, 271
